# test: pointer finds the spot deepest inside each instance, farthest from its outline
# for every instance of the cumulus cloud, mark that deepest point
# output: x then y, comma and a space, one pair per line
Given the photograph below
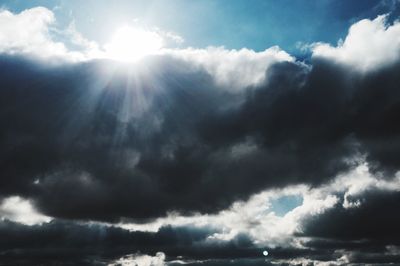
140, 260
369, 45
29, 33
234, 69
21, 210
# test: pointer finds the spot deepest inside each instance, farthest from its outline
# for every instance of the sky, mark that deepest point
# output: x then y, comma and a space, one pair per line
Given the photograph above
232, 24
165, 133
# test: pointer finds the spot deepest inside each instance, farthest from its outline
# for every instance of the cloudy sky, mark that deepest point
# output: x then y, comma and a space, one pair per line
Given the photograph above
213, 132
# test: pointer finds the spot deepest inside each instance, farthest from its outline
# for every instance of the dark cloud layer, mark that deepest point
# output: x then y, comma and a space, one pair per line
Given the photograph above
368, 233
105, 150
375, 221
73, 243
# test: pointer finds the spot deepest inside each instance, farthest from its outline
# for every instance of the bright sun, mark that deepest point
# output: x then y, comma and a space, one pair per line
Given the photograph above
131, 44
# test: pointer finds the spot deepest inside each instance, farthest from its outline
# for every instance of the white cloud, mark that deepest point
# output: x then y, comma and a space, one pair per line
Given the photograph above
253, 217
140, 260
360, 180
89, 48
369, 44
233, 69
21, 210
343, 260
28, 33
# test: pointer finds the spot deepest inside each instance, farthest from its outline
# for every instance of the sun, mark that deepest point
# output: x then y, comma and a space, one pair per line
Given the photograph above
131, 44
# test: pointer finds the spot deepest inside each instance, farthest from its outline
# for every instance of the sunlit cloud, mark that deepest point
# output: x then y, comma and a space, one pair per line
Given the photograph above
21, 210
256, 217
370, 44
140, 260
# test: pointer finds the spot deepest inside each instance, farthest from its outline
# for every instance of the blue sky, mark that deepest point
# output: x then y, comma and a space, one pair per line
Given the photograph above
235, 24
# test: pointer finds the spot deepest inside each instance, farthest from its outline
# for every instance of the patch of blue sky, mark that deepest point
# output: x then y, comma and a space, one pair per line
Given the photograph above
285, 204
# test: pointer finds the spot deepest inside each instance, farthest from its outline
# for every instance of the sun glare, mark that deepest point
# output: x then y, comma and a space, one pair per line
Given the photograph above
131, 44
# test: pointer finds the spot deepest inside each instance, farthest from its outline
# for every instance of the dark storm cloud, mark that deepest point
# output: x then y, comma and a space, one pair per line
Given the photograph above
368, 233
376, 220
101, 152
71, 242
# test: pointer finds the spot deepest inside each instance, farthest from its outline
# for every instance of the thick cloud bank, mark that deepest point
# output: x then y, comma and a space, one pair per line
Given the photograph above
209, 134
139, 142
